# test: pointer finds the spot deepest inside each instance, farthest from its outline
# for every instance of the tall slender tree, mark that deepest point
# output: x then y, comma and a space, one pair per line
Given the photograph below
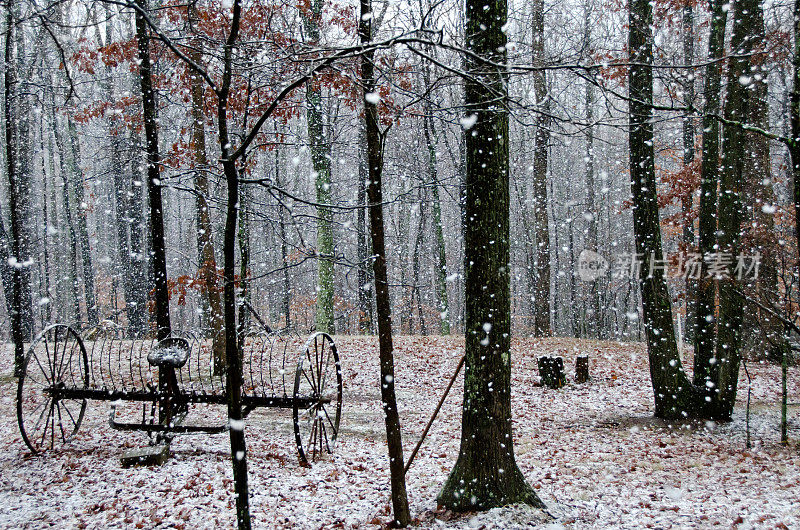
205, 232
154, 183
725, 369
19, 305
402, 516
542, 310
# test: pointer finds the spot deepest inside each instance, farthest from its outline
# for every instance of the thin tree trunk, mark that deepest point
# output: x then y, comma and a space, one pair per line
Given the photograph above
794, 118
441, 270
232, 352
72, 237
402, 516
244, 257
541, 315
688, 158
593, 313
418, 241
154, 186
287, 284
76, 183
15, 258
364, 245
205, 231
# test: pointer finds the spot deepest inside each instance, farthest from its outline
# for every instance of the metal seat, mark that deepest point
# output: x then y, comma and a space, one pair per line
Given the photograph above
172, 352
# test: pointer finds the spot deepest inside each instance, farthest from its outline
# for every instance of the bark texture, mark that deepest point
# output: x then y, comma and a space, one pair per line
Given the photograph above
486, 474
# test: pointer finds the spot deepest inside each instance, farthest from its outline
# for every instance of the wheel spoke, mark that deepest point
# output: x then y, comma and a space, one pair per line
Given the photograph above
324, 437
60, 424
41, 368
60, 361
310, 382
333, 426
46, 422
320, 355
323, 371
71, 417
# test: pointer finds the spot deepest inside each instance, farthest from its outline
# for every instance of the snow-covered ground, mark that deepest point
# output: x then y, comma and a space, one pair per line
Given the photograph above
592, 451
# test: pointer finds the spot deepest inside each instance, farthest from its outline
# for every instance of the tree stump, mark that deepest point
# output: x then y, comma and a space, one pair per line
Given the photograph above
551, 371
582, 369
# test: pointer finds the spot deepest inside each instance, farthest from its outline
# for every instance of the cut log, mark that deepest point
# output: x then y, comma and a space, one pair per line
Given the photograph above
582, 369
551, 371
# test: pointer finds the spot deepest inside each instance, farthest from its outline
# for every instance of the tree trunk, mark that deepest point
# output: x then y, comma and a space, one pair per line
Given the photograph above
244, 259
163, 327
287, 284
418, 241
23, 115
402, 516
760, 198
794, 119
688, 158
321, 160
72, 236
593, 320
19, 305
76, 181
486, 474
675, 397
233, 359
725, 371
364, 245
705, 320
541, 315
441, 270
205, 231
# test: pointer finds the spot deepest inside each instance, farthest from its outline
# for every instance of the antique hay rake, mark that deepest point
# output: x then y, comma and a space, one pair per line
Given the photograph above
64, 369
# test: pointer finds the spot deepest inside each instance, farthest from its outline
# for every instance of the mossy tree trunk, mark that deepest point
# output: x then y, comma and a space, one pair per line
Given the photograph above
725, 370
321, 161
486, 474
705, 319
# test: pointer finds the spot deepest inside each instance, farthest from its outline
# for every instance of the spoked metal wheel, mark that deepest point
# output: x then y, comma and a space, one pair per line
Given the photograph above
56, 361
317, 398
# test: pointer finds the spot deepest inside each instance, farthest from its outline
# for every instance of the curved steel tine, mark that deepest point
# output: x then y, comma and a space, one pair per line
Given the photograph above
265, 348
119, 368
247, 360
